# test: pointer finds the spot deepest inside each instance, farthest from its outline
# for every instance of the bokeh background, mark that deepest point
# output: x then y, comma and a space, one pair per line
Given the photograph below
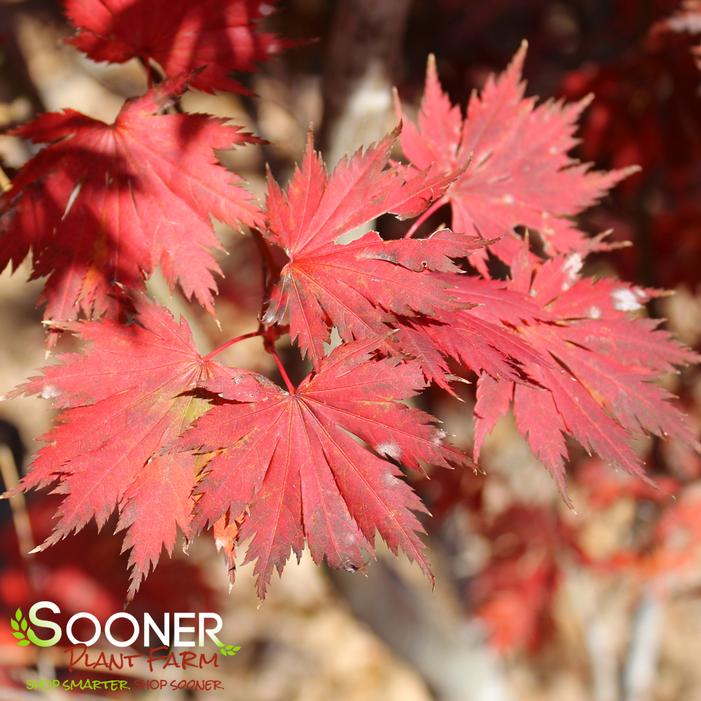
533, 601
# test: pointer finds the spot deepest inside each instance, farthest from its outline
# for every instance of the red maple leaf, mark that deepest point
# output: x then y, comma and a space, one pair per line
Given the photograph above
515, 163
357, 287
217, 36
600, 384
480, 334
514, 591
140, 433
104, 204
289, 464
125, 401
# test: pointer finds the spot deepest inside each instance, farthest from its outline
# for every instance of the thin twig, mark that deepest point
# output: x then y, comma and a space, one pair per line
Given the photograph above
25, 539
18, 504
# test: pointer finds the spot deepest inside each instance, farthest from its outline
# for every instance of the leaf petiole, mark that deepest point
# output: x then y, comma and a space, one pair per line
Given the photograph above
231, 342
271, 349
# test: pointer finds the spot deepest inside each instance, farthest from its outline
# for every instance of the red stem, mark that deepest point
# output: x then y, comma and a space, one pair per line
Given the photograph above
434, 207
271, 349
270, 334
224, 346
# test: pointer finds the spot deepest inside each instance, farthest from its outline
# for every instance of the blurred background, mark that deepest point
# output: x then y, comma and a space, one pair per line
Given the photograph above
533, 600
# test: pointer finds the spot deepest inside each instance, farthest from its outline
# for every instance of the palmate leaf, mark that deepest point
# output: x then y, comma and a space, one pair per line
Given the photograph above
103, 205
174, 442
124, 402
216, 36
287, 461
357, 287
290, 463
517, 171
600, 385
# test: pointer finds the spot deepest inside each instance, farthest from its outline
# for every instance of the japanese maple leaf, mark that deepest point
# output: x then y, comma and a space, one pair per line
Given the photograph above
481, 336
600, 386
218, 36
104, 204
359, 286
124, 401
514, 157
514, 591
291, 467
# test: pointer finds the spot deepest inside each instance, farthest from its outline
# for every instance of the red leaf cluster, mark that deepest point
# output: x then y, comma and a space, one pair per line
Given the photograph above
172, 440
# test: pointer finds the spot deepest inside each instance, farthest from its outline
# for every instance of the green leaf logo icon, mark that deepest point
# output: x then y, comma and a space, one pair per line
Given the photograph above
228, 650
20, 628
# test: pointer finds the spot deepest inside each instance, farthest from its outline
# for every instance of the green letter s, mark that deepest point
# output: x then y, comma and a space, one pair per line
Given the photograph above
41, 623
